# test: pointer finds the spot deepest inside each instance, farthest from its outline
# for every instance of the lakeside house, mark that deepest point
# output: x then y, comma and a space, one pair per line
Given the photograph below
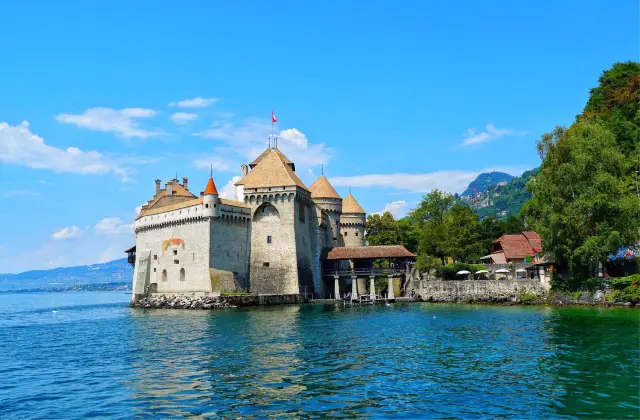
523, 253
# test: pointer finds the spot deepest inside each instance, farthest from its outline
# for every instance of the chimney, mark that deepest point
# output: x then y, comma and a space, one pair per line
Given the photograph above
169, 187
185, 183
158, 186
245, 169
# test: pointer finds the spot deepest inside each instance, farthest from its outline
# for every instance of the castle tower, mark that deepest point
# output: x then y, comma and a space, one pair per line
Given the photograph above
352, 221
210, 200
283, 227
329, 201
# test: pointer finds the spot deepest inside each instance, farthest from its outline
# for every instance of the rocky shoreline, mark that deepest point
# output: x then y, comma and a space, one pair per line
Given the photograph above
177, 301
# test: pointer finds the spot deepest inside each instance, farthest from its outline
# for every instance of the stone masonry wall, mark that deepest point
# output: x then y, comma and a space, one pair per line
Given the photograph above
480, 290
193, 258
230, 248
273, 266
306, 245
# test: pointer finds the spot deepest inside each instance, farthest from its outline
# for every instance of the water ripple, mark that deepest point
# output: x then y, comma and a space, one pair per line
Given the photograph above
106, 360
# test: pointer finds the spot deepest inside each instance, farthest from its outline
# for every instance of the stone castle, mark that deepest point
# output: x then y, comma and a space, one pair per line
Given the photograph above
269, 240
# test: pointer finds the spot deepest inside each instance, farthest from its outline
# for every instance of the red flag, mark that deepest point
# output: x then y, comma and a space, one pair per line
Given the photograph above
273, 117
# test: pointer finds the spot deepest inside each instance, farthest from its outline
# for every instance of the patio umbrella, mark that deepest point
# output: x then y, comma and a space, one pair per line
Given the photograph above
503, 270
482, 272
461, 272
521, 270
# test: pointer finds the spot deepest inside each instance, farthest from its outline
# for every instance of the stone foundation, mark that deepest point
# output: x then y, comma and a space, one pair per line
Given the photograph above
209, 300
494, 291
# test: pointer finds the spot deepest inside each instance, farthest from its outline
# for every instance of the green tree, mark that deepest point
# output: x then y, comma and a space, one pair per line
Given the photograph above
462, 233
383, 230
410, 233
512, 225
582, 210
490, 229
431, 216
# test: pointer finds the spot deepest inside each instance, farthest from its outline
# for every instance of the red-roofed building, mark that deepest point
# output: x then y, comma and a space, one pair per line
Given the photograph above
516, 248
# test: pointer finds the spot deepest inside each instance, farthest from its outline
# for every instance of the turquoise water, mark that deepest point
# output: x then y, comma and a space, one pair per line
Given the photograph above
97, 357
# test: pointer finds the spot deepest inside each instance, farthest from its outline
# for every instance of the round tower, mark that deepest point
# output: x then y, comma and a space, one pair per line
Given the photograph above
325, 196
210, 200
352, 222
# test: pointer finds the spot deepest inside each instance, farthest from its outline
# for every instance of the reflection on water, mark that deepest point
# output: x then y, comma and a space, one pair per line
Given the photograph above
101, 358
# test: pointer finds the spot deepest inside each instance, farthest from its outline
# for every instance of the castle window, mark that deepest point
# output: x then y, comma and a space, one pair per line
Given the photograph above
164, 275
176, 261
345, 234
264, 209
269, 240
356, 233
154, 269
175, 252
206, 206
265, 264
182, 274
155, 257
214, 206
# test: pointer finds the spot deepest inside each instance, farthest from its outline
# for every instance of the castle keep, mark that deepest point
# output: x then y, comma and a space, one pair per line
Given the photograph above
269, 240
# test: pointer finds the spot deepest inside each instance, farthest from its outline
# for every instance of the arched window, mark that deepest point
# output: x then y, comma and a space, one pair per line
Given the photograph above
182, 274
164, 275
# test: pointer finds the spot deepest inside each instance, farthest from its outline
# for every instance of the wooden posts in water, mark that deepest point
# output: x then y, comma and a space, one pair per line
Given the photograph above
354, 287
336, 286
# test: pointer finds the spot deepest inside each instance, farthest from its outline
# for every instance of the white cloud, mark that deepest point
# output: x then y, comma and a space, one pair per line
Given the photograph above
251, 139
138, 210
491, 133
67, 233
397, 208
229, 190
20, 193
123, 122
452, 181
20, 146
183, 117
215, 162
197, 102
113, 226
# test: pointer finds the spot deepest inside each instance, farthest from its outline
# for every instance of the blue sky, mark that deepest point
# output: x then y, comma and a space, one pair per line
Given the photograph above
393, 98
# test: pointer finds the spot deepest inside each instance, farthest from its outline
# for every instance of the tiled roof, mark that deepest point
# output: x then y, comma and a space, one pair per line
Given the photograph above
177, 190
350, 205
171, 207
516, 246
211, 188
234, 203
266, 152
534, 240
321, 188
271, 171
367, 252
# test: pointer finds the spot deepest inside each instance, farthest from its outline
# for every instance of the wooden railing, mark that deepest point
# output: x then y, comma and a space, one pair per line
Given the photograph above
365, 272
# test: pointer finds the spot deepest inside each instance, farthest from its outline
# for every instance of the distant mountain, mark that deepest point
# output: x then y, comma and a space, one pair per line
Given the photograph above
485, 181
113, 275
502, 200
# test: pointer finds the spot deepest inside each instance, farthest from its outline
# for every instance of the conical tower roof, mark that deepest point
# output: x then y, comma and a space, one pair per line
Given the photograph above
271, 171
350, 205
211, 188
322, 188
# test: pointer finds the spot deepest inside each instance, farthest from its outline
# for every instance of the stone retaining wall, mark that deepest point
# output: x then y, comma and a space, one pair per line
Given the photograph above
483, 291
209, 300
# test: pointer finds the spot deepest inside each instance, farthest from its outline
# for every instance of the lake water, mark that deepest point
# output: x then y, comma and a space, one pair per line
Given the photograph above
97, 357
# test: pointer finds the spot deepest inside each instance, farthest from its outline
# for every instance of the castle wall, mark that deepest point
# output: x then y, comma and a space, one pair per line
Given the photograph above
333, 208
352, 229
230, 249
306, 225
273, 266
178, 255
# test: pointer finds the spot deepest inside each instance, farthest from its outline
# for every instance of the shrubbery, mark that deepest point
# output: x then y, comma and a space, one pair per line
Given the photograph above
448, 272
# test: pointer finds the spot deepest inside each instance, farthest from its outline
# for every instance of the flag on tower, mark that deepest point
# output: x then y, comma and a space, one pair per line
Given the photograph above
273, 118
